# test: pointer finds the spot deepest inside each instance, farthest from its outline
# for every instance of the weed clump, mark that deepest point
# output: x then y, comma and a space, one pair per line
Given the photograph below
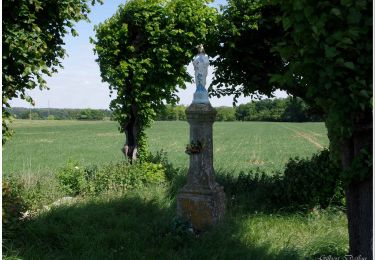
77, 179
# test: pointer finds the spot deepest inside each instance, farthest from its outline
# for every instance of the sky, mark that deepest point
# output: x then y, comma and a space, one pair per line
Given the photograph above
79, 85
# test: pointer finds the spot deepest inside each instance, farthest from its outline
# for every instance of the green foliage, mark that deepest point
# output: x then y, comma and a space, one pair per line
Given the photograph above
32, 38
312, 182
319, 52
59, 113
91, 114
169, 113
327, 48
13, 205
225, 114
6, 121
291, 109
182, 228
72, 178
304, 184
243, 43
76, 179
143, 51
360, 169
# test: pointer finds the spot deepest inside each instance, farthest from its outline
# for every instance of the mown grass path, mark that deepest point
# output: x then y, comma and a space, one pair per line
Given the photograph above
40, 147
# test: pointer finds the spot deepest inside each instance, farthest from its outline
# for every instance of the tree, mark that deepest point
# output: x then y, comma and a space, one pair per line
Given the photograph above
33, 33
245, 27
295, 111
328, 47
142, 52
324, 57
225, 114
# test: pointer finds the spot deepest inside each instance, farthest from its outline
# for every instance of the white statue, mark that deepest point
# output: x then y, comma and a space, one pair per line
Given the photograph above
201, 63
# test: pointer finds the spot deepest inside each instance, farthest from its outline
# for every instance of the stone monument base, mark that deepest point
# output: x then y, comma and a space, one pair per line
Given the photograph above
203, 207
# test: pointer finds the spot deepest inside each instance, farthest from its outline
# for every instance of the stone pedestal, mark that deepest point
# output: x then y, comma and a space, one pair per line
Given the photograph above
202, 199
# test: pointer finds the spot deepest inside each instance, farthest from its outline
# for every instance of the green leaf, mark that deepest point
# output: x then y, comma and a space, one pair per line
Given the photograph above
286, 23
330, 52
346, 3
336, 11
364, 93
349, 65
354, 17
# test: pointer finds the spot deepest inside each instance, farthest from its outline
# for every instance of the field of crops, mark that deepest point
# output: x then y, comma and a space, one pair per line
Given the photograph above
40, 147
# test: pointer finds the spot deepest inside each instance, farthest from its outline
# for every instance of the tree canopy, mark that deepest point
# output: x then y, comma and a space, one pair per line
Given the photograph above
33, 33
242, 48
328, 48
322, 52
142, 52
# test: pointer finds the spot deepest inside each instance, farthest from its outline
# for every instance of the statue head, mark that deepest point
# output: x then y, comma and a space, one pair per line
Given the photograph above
200, 48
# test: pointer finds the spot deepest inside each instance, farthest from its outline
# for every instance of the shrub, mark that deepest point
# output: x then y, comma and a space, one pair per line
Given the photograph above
153, 173
305, 183
160, 157
123, 176
72, 178
75, 179
114, 176
312, 182
252, 190
13, 207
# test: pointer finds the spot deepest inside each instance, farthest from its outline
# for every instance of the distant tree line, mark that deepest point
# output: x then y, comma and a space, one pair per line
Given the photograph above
279, 110
282, 110
60, 113
289, 109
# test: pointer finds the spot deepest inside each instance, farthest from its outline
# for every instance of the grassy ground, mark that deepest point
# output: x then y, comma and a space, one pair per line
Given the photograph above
141, 224
41, 147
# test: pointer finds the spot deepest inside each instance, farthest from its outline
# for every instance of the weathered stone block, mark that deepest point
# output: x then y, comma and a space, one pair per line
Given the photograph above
203, 208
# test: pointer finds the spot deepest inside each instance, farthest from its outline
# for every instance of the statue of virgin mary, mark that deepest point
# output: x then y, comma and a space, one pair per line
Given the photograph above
200, 64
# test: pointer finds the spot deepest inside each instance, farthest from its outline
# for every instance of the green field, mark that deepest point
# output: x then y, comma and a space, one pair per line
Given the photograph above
139, 223
40, 147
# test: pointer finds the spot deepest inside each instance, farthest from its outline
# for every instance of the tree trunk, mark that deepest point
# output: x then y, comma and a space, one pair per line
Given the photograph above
359, 196
131, 129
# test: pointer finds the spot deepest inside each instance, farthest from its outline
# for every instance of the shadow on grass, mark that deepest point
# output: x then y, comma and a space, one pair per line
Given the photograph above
132, 227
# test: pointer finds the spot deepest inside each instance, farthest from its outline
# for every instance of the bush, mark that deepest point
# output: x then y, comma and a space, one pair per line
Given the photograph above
312, 182
252, 190
13, 207
305, 183
123, 176
160, 157
76, 179
72, 178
